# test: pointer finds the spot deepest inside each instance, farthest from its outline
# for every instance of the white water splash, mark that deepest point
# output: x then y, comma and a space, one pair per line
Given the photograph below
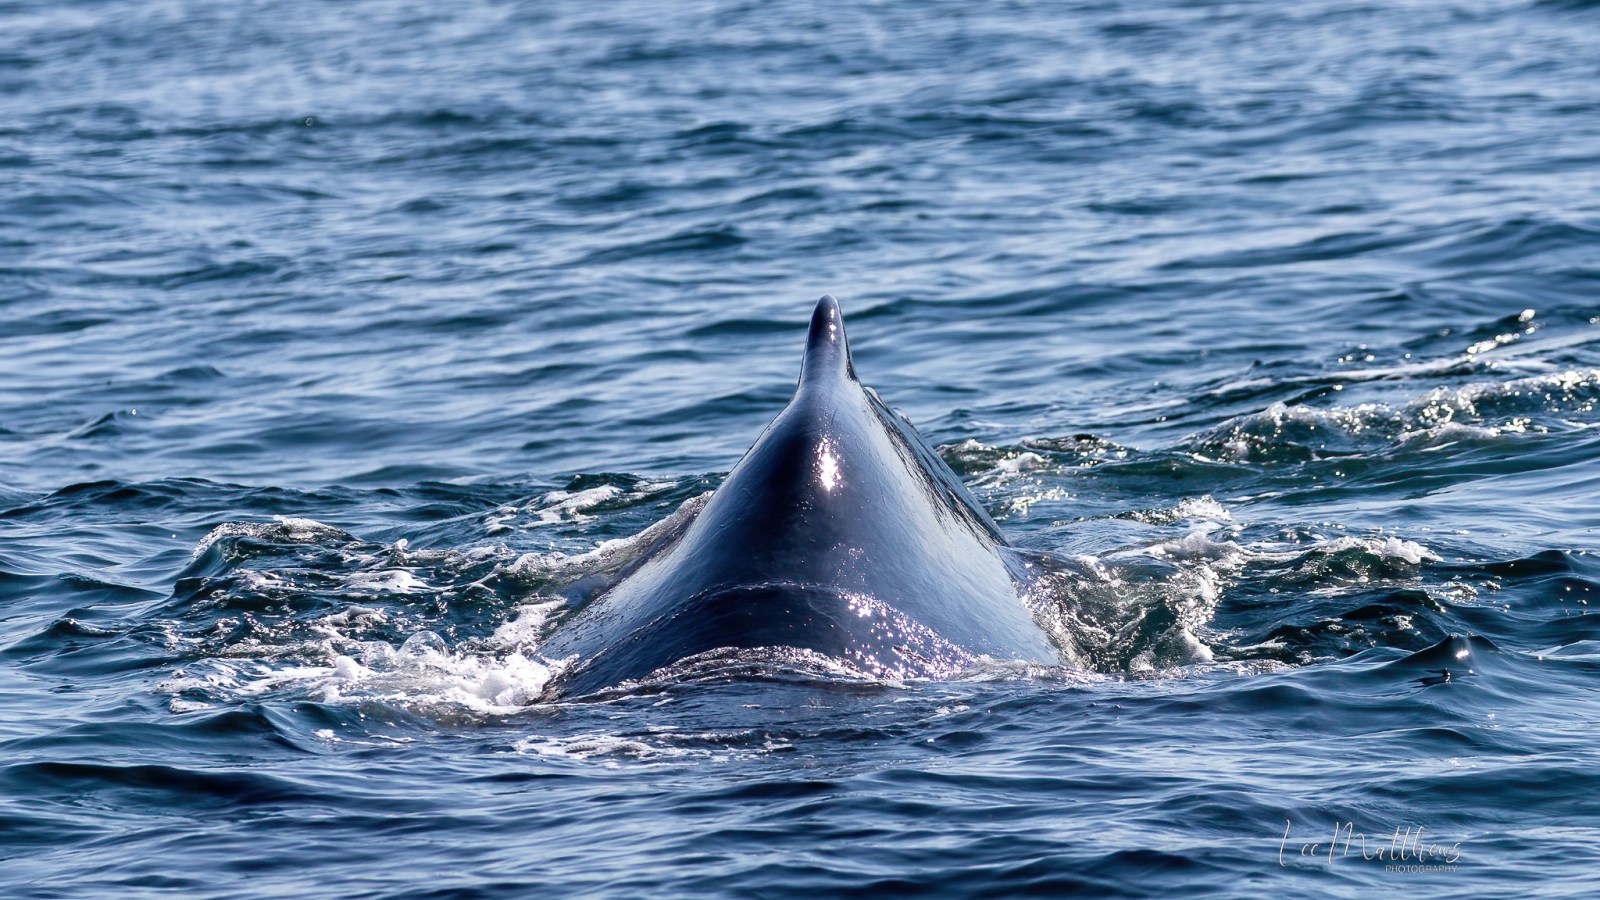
1472, 413
283, 529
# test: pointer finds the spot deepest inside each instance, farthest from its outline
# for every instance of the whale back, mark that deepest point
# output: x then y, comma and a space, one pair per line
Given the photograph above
839, 531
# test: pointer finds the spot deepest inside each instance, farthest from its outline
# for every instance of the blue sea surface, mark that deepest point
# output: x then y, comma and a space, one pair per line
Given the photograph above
337, 338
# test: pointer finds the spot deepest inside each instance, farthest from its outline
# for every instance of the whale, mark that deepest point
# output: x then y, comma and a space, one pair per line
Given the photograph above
840, 532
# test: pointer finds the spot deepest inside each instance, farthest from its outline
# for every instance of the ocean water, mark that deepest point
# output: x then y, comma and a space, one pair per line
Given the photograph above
335, 339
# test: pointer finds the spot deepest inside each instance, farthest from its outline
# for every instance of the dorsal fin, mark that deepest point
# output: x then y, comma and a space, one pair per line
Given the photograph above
827, 349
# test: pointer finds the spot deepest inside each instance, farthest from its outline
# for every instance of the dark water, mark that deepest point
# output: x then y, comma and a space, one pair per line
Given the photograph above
334, 338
